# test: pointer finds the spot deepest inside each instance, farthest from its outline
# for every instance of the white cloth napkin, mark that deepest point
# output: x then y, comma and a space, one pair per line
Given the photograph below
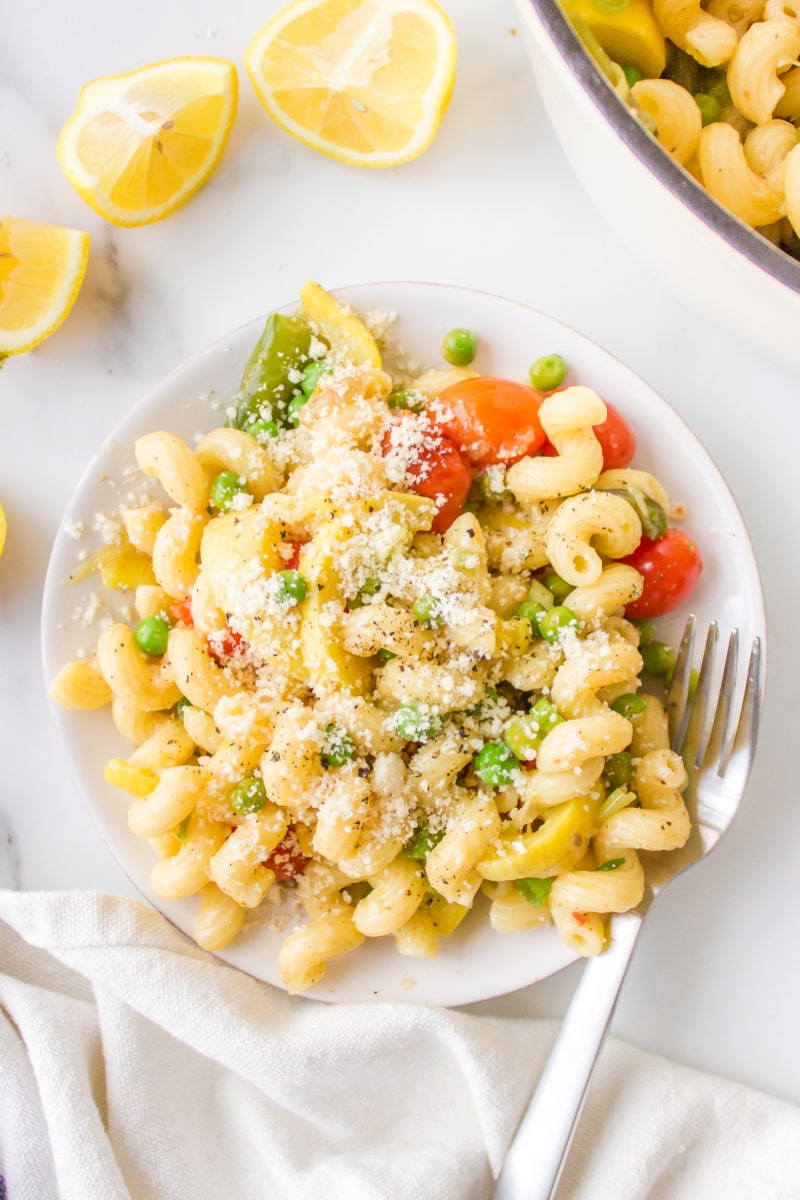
133, 1066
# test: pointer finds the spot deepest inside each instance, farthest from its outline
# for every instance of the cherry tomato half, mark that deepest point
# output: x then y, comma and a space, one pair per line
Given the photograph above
287, 859
670, 567
439, 471
615, 436
616, 439
490, 420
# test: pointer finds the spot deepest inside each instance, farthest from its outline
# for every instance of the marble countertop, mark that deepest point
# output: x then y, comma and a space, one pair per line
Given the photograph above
493, 205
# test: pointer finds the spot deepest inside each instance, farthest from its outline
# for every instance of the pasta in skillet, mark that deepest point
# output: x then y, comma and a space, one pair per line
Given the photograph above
384, 657
718, 85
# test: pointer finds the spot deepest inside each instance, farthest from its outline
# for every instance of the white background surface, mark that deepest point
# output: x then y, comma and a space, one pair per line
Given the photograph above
493, 205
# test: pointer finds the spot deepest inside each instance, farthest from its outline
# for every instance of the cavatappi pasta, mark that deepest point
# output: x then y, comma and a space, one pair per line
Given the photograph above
380, 658
718, 85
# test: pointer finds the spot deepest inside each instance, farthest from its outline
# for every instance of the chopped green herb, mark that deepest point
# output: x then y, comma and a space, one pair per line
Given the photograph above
421, 842
618, 799
612, 864
534, 890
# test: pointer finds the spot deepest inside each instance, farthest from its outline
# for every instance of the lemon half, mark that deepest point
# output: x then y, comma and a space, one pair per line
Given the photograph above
139, 145
366, 82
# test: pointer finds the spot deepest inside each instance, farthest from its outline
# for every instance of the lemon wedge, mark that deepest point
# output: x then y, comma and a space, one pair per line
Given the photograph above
41, 271
346, 333
3, 529
139, 145
366, 83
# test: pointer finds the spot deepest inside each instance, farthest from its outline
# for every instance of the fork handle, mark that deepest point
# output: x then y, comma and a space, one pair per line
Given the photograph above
539, 1149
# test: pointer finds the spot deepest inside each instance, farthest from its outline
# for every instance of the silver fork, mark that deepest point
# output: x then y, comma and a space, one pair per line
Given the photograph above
718, 739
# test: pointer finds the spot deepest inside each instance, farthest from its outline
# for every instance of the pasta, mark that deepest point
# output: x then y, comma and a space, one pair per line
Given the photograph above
727, 104
386, 664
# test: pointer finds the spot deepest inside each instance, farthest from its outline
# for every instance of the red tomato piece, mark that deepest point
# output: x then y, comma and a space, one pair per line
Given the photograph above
224, 644
616, 439
490, 420
670, 567
287, 859
181, 610
293, 563
439, 471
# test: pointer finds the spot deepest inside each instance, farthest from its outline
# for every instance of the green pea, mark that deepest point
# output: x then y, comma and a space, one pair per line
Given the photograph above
548, 372
629, 705
546, 714
555, 620
522, 737
531, 610
421, 842
631, 74
534, 890
416, 723
224, 487
618, 771
718, 88
263, 431
647, 631
524, 734
151, 634
337, 748
386, 655
710, 108
413, 401
181, 706
658, 659
495, 764
248, 795
555, 584
428, 610
293, 409
293, 588
312, 375
459, 347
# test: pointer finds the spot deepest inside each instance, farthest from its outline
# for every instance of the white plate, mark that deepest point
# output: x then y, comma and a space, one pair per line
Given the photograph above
475, 963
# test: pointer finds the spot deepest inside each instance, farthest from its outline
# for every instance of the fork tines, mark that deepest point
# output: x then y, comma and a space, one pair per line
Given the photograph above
704, 723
